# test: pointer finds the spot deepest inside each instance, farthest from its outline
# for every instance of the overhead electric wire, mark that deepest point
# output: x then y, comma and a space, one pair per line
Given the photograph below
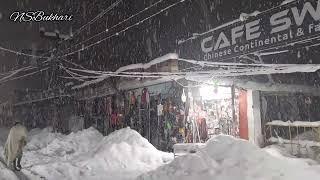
115, 4
20, 53
23, 76
109, 8
123, 30
12, 73
118, 24
78, 31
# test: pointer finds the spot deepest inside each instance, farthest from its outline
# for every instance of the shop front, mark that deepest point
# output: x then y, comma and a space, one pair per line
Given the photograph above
212, 110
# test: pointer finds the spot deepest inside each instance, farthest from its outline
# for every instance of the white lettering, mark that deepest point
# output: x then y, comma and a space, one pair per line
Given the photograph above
203, 44
280, 21
306, 8
220, 44
252, 30
236, 33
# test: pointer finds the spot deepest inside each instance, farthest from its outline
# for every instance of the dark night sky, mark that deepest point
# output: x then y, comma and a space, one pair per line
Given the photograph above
18, 36
160, 33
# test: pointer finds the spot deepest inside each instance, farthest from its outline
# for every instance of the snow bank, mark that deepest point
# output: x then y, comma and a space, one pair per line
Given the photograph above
76, 143
226, 158
283, 153
58, 144
125, 150
6, 174
46, 147
124, 154
40, 138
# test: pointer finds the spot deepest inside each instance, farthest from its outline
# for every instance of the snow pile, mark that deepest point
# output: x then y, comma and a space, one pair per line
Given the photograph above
46, 147
40, 138
225, 158
302, 146
57, 144
283, 153
124, 154
6, 174
126, 149
76, 143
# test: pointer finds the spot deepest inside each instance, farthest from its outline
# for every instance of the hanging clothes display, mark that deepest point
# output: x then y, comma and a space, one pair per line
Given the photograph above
115, 120
145, 98
133, 100
108, 106
160, 110
203, 129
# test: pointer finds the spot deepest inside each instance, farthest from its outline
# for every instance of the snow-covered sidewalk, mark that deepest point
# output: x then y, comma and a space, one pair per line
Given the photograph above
122, 155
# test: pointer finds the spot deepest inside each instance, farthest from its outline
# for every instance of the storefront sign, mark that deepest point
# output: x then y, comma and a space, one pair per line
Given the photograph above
281, 26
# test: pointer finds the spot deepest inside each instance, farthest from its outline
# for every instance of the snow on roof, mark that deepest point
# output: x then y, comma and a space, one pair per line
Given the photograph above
149, 64
231, 71
287, 2
87, 83
294, 123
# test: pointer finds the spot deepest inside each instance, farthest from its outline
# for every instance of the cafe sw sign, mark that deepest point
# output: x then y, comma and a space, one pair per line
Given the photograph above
277, 27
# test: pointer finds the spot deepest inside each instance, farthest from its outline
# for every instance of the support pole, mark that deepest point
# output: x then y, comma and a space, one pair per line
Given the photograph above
233, 94
290, 136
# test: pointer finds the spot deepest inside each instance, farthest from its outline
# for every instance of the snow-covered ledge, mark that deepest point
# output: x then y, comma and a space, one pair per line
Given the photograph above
257, 86
276, 87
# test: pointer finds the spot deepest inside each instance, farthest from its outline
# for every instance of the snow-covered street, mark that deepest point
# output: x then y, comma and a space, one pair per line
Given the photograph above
125, 155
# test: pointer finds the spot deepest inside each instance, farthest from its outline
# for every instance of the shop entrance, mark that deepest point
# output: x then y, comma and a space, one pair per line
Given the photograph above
213, 110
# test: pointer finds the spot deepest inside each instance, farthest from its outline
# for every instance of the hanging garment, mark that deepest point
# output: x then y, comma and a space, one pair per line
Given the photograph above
109, 105
203, 129
145, 97
115, 119
160, 110
148, 97
133, 99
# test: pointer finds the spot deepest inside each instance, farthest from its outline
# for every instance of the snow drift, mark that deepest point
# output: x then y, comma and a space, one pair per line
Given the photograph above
226, 158
124, 154
126, 149
6, 174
